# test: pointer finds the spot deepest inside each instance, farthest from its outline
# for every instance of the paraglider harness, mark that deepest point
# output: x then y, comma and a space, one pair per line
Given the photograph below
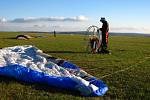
94, 43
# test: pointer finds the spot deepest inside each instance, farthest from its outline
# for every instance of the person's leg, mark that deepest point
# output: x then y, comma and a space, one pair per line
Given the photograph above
104, 44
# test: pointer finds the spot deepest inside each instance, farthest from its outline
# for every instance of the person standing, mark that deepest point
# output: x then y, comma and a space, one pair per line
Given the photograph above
104, 29
54, 33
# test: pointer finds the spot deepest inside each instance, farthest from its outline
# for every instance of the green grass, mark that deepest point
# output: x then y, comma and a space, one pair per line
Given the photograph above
126, 71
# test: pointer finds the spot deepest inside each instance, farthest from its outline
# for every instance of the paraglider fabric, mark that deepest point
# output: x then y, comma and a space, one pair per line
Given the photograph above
29, 64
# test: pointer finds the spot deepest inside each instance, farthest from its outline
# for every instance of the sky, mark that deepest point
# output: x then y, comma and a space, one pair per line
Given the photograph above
74, 15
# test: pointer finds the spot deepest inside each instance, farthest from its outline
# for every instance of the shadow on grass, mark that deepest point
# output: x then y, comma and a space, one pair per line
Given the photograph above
12, 38
54, 90
64, 52
38, 86
8, 38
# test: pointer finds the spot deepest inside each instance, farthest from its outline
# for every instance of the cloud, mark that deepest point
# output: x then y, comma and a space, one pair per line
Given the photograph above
77, 18
130, 29
39, 25
124, 28
35, 19
3, 20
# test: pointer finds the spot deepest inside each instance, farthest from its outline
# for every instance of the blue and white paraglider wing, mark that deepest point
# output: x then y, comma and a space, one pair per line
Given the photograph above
29, 64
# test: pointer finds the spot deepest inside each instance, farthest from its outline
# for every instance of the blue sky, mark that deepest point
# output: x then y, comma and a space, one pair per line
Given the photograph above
74, 15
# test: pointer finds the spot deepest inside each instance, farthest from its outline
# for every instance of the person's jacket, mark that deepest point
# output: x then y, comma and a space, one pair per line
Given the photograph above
105, 27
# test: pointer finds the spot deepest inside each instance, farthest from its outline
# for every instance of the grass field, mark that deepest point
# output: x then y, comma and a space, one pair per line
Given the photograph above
126, 71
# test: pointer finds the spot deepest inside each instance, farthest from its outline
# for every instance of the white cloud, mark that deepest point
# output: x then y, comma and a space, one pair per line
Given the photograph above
82, 18
130, 29
37, 19
78, 23
3, 20
44, 24
39, 25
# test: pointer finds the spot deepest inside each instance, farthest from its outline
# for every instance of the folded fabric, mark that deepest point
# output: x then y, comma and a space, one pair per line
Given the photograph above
29, 64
